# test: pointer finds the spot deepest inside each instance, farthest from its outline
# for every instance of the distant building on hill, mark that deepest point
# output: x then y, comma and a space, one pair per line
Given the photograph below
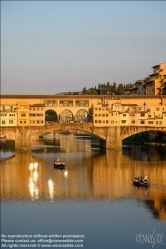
154, 84
137, 89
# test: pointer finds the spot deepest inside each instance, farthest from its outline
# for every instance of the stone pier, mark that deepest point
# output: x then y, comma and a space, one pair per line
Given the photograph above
113, 139
23, 138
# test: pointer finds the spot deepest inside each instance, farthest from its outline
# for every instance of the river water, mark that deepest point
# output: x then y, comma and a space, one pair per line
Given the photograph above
91, 200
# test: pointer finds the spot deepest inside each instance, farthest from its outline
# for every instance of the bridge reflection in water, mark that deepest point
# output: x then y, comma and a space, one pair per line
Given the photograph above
108, 176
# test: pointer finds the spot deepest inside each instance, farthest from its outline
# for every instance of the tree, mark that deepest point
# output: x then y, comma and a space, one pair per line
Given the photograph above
50, 115
84, 91
107, 89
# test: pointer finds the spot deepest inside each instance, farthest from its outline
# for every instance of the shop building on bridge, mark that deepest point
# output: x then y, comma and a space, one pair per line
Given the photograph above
103, 111
117, 114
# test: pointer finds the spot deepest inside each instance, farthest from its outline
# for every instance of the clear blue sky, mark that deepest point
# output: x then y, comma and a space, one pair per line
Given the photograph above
49, 47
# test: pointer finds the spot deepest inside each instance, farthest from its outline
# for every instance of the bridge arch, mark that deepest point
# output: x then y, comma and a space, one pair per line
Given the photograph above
149, 134
100, 133
111, 137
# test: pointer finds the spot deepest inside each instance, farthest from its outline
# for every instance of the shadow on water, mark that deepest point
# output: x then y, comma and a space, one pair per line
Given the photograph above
7, 149
145, 153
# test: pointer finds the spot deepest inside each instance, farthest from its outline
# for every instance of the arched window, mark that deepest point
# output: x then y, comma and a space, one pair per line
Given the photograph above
66, 116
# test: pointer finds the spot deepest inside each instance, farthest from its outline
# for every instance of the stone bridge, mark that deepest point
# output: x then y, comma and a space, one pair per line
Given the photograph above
110, 137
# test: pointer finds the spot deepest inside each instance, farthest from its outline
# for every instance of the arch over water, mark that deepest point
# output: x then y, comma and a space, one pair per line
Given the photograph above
150, 135
111, 137
66, 126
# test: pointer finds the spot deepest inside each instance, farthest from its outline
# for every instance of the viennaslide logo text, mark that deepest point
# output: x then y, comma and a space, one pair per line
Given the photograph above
150, 238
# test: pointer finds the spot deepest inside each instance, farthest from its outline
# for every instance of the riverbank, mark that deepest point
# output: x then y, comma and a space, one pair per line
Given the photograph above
146, 139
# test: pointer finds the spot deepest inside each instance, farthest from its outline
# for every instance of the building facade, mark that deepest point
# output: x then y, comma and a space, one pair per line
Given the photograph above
8, 115
102, 111
154, 84
23, 114
117, 114
139, 88
37, 115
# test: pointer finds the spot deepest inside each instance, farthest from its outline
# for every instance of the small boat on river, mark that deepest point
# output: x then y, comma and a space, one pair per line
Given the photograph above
59, 164
140, 183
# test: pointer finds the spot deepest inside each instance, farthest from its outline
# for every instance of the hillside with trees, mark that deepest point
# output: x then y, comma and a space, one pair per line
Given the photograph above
104, 89
107, 89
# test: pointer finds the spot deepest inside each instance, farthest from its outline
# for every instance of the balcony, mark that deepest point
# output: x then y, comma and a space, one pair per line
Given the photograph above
150, 80
150, 84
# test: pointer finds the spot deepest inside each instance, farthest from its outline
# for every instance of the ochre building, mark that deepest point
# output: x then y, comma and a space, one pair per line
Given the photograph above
106, 110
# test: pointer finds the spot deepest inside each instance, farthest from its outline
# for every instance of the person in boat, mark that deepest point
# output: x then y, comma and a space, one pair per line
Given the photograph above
142, 179
59, 161
146, 177
136, 179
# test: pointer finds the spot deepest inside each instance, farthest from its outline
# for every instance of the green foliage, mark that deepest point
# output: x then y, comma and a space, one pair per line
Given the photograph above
51, 115
72, 93
107, 89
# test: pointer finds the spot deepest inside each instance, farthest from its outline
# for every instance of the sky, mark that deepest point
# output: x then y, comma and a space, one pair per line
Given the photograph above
48, 47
